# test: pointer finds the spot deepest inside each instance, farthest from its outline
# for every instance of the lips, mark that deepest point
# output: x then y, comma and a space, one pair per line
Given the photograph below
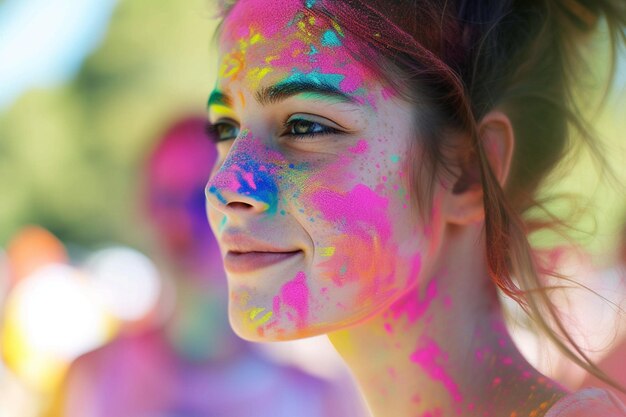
245, 253
242, 262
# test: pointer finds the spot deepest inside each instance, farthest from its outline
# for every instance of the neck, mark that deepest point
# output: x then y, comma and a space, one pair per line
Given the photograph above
442, 349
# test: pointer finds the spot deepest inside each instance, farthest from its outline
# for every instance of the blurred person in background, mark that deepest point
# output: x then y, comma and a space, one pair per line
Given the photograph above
191, 364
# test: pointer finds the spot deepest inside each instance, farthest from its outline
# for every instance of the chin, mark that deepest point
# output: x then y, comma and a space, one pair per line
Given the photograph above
272, 331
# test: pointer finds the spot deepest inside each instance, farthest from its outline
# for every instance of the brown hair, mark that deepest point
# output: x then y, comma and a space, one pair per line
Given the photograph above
464, 58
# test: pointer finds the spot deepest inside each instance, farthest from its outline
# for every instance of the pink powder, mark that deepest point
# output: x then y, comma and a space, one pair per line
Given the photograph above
249, 178
360, 147
250, 13
387, 93
362, 211
388, 328
295, 295
363, 253
428, 358
412, 306
276, 306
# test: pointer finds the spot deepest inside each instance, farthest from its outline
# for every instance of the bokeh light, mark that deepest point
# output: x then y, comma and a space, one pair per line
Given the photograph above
126, 282
51, 317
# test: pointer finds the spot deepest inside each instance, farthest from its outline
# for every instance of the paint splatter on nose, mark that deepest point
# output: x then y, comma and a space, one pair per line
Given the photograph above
244, 176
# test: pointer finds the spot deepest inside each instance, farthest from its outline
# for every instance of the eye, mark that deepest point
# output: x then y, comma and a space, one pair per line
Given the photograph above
222, 131
307, 128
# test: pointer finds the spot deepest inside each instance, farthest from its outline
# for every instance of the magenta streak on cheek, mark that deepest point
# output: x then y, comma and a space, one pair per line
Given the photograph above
428, 357
295, 296
360, 212
363, 252
361, 217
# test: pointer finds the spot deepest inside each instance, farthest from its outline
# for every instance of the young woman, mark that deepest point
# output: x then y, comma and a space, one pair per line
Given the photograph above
375, 158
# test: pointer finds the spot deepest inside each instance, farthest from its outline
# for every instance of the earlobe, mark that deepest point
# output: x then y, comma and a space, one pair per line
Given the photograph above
464, 201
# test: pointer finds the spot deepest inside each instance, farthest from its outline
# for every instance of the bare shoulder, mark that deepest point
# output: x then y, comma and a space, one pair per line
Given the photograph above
589, 402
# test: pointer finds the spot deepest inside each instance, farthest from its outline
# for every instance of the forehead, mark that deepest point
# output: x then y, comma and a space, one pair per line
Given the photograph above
265, 18
261, 40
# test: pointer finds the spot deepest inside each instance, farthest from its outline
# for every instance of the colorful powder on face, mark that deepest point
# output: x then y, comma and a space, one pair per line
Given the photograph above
256, 75
314, 77
265, 318
327, 252
293, 37
338, 29
395, 159
362, 253
361, 211
330, 39
429, 357
295, 296
243, 174
255, 312
223, 223
360, 147
412, 307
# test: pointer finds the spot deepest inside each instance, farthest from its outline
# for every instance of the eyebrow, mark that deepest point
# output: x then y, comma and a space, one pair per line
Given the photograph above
281, 91
315, 87
217, 98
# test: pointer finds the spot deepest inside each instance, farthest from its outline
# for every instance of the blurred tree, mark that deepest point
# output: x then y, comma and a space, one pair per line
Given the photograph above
69, 155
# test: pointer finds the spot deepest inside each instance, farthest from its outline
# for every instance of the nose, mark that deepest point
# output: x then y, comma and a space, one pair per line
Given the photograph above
243, 184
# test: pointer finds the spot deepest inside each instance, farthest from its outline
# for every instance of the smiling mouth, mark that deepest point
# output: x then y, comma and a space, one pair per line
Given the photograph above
242, 262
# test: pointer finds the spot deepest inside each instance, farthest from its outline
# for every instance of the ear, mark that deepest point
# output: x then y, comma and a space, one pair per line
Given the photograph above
464, 201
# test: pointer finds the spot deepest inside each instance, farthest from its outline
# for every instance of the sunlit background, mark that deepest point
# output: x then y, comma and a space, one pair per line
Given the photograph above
88, 89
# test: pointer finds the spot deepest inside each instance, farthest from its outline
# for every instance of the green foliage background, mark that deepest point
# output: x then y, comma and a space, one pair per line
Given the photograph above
71, 157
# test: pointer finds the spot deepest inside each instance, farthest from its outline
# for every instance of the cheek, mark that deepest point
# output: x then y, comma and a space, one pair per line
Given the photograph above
358, 243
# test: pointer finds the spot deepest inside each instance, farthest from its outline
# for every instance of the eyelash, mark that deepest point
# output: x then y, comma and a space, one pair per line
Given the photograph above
213, 133
325, 130
212, 130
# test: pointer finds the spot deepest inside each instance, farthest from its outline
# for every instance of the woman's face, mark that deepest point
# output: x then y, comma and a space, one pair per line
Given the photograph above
310, 198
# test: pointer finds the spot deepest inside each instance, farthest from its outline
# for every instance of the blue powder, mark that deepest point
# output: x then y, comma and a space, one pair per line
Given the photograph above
213, 190
266, 190
263, 189
315, 77
330, 39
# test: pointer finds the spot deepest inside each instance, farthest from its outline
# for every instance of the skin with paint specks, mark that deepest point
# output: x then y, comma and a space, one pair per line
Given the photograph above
339, 198
312, 206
